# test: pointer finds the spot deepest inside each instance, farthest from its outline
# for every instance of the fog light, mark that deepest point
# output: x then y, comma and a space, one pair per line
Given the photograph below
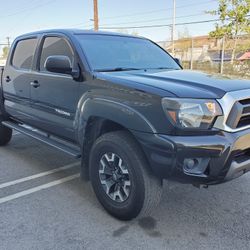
189, 163
195, 166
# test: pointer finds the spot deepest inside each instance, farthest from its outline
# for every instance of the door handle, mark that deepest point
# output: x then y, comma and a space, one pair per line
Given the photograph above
7, 79
35, 84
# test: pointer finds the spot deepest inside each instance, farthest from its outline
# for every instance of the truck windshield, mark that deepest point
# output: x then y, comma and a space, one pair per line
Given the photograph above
118, 53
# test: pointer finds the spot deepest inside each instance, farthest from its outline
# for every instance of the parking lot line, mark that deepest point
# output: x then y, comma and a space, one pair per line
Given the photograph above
38, 188
11, 183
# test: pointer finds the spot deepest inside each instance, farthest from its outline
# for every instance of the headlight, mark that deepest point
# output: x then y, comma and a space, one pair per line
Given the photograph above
192, 113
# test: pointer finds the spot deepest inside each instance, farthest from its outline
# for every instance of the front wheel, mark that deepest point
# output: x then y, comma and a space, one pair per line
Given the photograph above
120, 177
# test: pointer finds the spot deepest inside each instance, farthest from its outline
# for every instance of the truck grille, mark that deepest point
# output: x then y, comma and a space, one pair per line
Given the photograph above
239, 116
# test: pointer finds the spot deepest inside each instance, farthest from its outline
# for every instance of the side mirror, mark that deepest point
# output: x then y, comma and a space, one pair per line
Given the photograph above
60, 64
178, 61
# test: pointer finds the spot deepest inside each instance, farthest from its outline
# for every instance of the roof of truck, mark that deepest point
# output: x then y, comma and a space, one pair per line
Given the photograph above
76, 32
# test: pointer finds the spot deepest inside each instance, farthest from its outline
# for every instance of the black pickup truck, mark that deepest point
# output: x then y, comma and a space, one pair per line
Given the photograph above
129, 110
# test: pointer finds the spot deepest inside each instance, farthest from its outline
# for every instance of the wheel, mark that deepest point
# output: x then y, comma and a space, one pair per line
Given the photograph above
5, 134
120, 177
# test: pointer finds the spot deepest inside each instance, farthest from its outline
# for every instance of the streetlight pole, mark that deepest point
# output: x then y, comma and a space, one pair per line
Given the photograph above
96, 19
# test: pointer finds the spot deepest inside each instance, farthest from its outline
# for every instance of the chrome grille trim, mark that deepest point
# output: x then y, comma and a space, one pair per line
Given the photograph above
227, 102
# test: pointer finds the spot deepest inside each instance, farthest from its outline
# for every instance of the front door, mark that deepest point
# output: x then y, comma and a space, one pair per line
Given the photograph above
54, 96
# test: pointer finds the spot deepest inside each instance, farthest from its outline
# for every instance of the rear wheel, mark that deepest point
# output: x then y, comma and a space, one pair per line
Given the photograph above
121, 179
5, 134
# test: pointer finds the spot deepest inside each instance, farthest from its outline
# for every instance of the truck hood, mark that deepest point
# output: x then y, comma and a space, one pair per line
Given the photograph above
182, 83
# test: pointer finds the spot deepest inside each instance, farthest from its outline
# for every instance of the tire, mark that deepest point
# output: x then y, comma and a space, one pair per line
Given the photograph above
5, 134
136, 191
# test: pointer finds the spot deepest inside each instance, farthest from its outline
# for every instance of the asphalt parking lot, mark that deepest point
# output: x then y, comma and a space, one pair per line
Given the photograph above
44, 205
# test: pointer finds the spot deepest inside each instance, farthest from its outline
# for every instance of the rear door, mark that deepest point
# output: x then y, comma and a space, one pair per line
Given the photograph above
54, 96
17, 77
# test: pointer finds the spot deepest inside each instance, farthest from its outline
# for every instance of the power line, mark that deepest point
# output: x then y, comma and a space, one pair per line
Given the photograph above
159, 19
19, 8
194, 4
159, 10
164, 25
28, 9
159, 25
22, 5
88, 24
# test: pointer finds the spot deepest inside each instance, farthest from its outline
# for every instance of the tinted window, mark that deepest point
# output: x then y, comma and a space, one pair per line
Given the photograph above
54, 46
109, 52
24, 52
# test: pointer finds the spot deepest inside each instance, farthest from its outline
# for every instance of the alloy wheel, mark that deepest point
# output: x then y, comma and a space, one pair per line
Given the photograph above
114, 177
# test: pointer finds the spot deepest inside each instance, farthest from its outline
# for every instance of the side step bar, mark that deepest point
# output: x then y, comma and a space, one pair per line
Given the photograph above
71, 150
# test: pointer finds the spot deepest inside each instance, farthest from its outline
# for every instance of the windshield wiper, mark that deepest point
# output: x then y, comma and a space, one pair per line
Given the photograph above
116, 69
163, 68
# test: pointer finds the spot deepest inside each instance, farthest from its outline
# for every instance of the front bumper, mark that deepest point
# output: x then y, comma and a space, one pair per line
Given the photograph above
198, 160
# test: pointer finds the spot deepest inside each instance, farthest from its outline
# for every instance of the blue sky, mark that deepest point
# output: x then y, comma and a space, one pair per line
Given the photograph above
18, 17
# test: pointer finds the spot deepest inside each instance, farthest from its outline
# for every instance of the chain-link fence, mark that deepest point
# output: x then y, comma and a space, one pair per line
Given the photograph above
213, 55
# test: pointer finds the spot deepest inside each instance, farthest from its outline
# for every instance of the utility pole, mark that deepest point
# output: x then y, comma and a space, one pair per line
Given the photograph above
173, 26
96, 19
8, 41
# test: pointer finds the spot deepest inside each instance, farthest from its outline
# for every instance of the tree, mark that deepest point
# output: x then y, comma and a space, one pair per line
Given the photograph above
234, 21
5, 52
